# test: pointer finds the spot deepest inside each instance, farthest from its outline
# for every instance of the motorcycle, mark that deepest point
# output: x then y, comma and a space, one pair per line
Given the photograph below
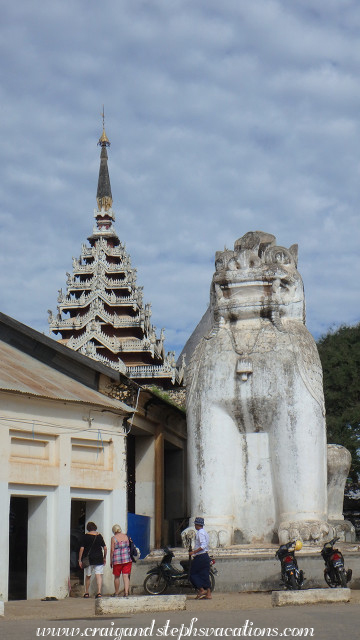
291, 576
335, 573
165, 575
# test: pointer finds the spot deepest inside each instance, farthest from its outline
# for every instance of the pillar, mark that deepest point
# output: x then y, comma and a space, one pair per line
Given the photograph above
159, 485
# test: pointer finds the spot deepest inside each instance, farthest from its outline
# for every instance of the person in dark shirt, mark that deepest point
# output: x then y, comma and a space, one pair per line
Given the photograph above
93, 545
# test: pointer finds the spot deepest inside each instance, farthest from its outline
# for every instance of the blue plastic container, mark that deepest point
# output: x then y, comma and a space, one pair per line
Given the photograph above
139, 531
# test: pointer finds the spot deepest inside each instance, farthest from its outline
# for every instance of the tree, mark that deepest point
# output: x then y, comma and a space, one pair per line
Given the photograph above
340, 357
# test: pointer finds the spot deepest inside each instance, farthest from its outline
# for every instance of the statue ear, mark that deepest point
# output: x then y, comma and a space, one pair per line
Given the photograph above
294, 250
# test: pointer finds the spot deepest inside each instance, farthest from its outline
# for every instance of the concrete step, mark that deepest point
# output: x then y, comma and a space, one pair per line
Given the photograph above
136, 604
309, 596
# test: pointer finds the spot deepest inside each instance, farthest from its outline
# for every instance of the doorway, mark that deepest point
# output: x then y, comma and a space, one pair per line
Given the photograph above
18, 548
175, 516
77, 529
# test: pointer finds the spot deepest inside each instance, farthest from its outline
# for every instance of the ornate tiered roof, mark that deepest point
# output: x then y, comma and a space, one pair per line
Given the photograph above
102, 313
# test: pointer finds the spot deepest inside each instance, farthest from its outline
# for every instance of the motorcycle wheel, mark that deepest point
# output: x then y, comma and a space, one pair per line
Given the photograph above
328, 580
293, 585
341, 576
212, 581
155, 584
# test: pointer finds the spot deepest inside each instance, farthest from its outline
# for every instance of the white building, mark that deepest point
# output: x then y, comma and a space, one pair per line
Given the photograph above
63, 452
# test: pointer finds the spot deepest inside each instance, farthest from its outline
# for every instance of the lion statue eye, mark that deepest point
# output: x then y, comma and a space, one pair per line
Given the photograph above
278, 255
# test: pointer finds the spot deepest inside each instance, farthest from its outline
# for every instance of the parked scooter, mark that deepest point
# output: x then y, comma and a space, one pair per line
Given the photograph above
291, 576
165, 575
335, 573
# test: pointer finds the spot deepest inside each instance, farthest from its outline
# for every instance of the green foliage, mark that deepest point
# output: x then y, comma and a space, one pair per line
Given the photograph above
166, 396
340, 357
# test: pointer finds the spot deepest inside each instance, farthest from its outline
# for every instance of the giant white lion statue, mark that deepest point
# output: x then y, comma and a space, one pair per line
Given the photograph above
255, 404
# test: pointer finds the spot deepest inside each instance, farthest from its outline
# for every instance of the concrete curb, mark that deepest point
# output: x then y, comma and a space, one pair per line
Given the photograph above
309, 596
139, 604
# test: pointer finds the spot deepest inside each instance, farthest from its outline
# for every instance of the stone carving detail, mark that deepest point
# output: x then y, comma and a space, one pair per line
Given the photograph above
255, 406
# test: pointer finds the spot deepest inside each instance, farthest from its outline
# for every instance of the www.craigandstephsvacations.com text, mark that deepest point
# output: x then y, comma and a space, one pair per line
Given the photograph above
177, 632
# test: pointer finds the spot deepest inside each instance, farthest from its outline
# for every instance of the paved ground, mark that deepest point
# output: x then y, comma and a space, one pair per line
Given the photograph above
244, 614
79, 608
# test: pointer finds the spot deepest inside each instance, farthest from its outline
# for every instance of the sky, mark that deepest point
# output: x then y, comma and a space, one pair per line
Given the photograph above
223, 117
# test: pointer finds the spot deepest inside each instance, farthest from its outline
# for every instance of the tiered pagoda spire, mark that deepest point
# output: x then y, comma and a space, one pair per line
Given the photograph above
102, 313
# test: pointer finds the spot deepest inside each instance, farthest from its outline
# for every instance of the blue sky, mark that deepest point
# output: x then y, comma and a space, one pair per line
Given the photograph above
223, 117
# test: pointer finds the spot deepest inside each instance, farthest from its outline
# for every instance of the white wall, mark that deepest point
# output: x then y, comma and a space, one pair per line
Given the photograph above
145, 480
50, 452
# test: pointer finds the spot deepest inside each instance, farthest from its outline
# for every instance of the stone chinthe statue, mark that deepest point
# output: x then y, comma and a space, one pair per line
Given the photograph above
255, 404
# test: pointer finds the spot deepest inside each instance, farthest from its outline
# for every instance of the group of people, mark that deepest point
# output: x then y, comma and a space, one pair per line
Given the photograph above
94, 550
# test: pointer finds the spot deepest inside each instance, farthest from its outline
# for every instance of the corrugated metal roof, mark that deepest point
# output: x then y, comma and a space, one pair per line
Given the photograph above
21, 373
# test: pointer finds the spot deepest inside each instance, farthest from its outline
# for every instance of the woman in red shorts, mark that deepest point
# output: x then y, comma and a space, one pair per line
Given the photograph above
120, 560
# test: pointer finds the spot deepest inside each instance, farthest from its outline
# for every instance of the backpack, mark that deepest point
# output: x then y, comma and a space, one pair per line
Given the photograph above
133, 550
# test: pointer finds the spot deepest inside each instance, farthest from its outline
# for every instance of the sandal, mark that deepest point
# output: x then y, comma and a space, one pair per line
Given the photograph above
98, 595
86, 595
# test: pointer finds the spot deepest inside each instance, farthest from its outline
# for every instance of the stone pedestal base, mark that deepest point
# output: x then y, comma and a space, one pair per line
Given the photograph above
311, 531
219, 530
344, 530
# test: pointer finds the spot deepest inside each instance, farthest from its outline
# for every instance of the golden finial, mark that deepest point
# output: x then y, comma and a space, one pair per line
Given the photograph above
103, 140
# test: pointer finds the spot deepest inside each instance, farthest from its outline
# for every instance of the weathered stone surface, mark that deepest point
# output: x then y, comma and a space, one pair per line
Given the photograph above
338, 466
309, 596
255, 404
338, 462
352, 506
135, 604
1, 608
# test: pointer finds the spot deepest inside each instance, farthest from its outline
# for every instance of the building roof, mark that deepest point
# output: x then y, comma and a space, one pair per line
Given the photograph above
31, 364
104, 188
102, 314
48, 350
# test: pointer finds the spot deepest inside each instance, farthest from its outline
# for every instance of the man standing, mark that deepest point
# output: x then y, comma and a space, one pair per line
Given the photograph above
200, 565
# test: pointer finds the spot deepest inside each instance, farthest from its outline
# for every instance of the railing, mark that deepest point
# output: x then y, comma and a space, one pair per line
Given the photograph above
78, 322
103, 245
118, 365
90, 268
85, 299
106, 282
140, 345
111, 343
154, 371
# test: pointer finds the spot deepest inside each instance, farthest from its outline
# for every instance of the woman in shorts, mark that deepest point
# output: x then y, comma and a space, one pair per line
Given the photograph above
120, 560
94, 547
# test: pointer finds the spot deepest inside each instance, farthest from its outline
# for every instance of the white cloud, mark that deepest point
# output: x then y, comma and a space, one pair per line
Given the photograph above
223, 117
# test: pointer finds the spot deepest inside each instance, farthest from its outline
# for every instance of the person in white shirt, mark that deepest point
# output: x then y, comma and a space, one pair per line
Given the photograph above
200, 563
